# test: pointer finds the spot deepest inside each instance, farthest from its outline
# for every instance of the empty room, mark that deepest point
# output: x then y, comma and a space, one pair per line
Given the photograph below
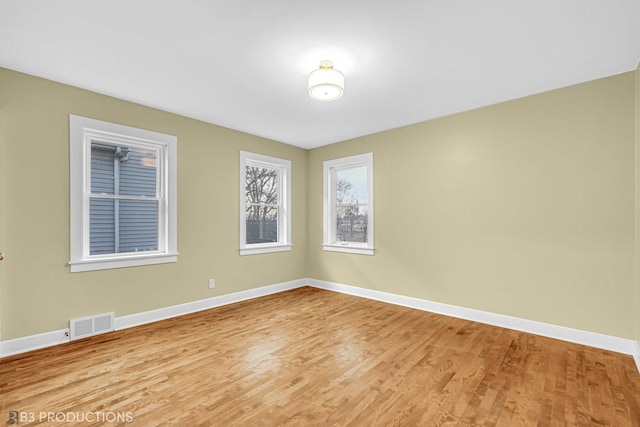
363, 213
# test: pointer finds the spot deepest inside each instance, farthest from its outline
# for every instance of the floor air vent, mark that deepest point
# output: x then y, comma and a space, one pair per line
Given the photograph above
91, 325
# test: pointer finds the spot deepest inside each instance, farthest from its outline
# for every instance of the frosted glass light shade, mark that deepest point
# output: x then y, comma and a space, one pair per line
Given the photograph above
326, 83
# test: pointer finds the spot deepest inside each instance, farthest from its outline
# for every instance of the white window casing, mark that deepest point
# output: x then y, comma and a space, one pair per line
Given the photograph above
153, 211
267, 234
360, 227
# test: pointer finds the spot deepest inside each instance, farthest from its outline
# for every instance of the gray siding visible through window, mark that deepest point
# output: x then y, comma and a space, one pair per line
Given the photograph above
122, 224
262, 231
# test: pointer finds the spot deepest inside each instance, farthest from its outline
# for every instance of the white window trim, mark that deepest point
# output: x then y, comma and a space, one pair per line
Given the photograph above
81, 129
284, 223
329, 168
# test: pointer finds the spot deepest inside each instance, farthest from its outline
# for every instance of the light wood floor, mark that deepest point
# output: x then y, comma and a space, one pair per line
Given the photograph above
312, 357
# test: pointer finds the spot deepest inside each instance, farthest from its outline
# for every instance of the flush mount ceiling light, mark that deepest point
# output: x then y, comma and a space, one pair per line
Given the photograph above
326, 83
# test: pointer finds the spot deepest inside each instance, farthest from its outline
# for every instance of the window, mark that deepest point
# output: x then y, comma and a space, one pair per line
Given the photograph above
348, 204
265, 204
123, 196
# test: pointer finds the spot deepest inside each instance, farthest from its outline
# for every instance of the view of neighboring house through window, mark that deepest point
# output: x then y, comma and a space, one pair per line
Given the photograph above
123, 196
124, 199
348, 204
265, 205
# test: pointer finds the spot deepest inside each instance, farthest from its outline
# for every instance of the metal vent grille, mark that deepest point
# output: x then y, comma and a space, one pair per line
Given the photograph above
91, 325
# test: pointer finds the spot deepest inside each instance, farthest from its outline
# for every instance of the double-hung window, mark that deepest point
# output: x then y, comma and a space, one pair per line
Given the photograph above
265, 204
348, 204
123, 196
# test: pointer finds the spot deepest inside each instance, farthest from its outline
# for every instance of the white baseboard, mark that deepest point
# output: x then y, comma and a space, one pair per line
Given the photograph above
33, 342
636, 355
138, 319
592, 339
48, 339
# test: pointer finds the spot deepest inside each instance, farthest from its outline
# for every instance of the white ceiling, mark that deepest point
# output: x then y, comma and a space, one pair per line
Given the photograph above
243, 64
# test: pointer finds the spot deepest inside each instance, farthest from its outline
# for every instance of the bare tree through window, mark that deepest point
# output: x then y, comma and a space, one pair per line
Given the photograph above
262, 204
351, 205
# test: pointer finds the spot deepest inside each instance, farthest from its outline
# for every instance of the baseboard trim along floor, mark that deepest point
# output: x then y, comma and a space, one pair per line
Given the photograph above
592, 339
48, 339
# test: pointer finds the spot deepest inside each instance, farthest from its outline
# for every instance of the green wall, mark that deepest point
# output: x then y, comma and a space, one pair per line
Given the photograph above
39, 294
524, 208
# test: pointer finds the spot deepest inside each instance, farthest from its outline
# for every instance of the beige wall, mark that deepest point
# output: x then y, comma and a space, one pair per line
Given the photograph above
40, 294
525, 208
637, 113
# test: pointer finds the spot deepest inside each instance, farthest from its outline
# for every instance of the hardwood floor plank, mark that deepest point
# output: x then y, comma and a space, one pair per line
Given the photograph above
317, 358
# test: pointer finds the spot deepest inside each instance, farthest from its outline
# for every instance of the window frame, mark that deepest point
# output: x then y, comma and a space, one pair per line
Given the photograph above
284, 203
330, 168
82, 131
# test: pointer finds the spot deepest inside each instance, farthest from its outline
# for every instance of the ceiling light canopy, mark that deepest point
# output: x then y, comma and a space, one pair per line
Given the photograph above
326, 83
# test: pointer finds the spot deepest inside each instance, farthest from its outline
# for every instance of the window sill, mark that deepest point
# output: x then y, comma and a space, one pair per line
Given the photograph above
361, 250
122, 262
265, 249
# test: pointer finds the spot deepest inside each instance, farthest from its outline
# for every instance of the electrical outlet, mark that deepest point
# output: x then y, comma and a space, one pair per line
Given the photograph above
212, 283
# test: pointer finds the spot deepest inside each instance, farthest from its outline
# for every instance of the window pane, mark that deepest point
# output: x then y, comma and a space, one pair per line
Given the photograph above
351, 186
102, 236
138, 225
120, 169
262, 185
138, 169
351, 224
102, 167
262, 224
119, 226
